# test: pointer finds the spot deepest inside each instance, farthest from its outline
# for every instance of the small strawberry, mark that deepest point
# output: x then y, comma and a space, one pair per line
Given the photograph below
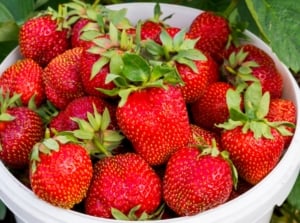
191, 64
24, 77
79, 108
42, 39
60, 172
248, 63
255, 144
213, 32
283, 110
62, 78
20, 129
123, 182
211, 108
203, 137
197, 180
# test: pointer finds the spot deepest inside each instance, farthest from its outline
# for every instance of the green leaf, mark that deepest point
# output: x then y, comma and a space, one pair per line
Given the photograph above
19, 9
5, 14
166, 39
252, 98
294, 195
105, 119
3, 210
51, 144
263, 107
9, 31
116, 64
81, 134
135, 68
279, 21
98, 65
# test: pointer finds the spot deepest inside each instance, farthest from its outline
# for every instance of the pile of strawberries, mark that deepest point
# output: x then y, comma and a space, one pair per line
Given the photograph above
143, 121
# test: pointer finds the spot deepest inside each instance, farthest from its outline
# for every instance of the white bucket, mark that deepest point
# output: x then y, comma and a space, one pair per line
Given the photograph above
254, 206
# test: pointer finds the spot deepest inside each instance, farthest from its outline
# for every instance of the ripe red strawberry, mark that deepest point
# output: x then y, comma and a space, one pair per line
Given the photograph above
79, 108
203, 137
76, 32
211, 108
213, 32
283, 110
60, 174
20, 129
195, 182
249, 61
24, 77
41, 39
196, 83
62, 78
91, 82
155, 121
255, 145
123, 182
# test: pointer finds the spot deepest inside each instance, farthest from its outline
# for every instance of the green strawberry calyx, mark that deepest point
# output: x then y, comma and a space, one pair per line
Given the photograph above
137, 73
236, 70
95, 134
175, 49
252, 116
132, 216
7, 101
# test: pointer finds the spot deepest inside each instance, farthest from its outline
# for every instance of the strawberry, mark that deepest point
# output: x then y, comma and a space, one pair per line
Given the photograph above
213, 32
24, 77
202, 137
62, 78
123, 182
20, 129
79, 108
76, 32
192, 66
151, 112
283, 110
255, 144
248, 63
42, 39
92, 81
211, 108
197, 180
60, 172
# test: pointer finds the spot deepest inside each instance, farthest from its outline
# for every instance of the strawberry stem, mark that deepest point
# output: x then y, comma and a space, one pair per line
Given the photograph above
233, 4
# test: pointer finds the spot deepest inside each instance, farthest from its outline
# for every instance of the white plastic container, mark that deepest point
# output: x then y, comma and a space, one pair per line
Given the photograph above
254, 206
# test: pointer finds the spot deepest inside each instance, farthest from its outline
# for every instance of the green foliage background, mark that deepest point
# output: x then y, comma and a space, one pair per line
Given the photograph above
277, 22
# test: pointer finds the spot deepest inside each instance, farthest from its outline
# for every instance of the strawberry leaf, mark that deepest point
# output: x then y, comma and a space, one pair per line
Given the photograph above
135, 68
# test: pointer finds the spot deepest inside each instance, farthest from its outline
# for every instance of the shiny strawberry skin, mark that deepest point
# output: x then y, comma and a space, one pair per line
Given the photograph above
79, 108
253, 158
194, 183
91, 84
196, 83
150, 30
156, 122
213, 31
40, 39
62, 78
123, 181
19, 136
62, 177
211, 108
283, 110
203, 137
24, 77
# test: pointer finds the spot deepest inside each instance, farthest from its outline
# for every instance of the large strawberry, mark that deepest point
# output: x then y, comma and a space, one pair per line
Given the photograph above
152, 113
24, 77
255, 144
123, 182
213, 32
248, 63
197, 180
20, 129
42, 38
62, 78
60, 172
